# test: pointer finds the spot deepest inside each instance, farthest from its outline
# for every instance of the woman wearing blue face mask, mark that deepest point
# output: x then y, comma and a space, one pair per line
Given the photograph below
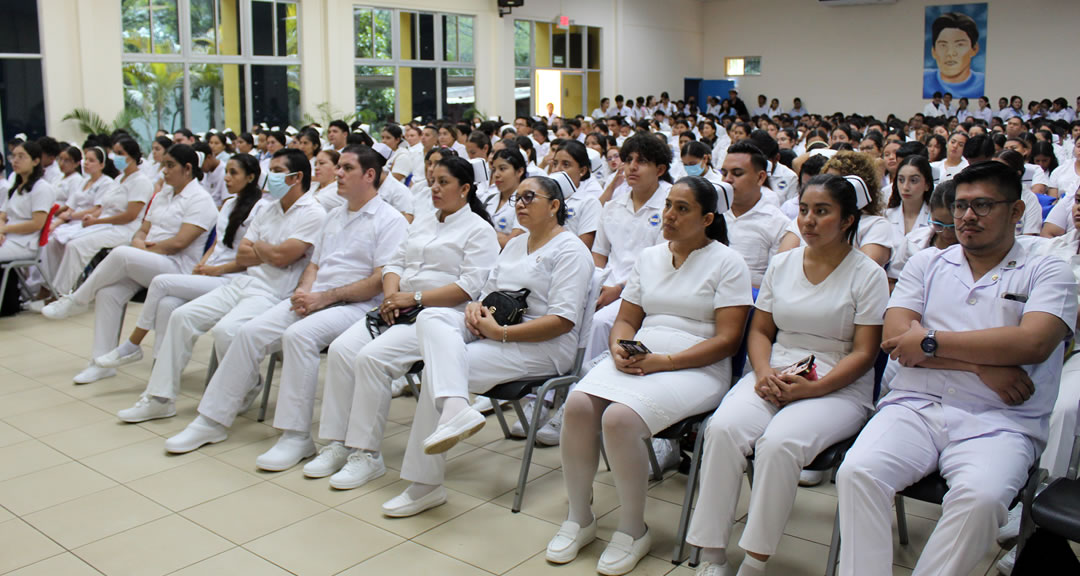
696, 158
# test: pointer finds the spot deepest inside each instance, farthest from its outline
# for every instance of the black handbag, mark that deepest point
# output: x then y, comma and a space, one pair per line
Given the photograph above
506, 306
405, 316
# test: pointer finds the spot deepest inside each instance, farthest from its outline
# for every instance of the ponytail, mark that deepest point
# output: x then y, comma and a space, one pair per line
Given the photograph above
245, 200
462, 171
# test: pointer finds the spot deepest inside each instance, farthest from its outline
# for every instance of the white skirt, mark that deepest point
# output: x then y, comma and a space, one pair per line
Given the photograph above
662, 398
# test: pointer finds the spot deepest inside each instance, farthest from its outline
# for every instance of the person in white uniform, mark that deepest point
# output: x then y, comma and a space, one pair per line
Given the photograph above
630, 223
686, 301
583, 210
337, 288
274, 252
213, 172
421, 192
775, 413
324, 180
84, 203
974, 387
70, 161
954, 160
24, 210
939, 232
391, 190
171, 240
470, 351
1064, 182
444, 263
508, 172
167, 292
909, 200
875, 236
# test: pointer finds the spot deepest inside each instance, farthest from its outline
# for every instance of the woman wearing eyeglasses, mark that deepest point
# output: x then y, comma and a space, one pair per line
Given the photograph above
471, 352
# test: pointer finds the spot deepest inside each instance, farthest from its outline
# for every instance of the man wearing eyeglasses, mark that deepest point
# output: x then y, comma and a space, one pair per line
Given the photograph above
978, 331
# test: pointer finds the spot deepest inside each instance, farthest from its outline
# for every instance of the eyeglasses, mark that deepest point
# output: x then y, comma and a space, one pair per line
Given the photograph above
980, 206
526, 198
938, 227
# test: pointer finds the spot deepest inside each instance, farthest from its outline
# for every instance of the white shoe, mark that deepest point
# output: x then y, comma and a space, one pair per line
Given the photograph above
65, 307
623, 553
201, 431
569, 540
464, 424
93, 373
251, 396
710, 569
331, 458
549, 433
360, 468
485, 406
148, 408
289, 450
113, 358
397, 387
518, 430
1009, 533
1007, 563
402, 506
667, 453
811, 477
35, 306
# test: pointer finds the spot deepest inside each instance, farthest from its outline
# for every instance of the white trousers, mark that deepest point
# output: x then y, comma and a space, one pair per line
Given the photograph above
903, 443
168, 292
224, 310
603, 320
122, 273
301, 340
1063, 421
67, 261
456, 363
783, 441
359, 371
11, 251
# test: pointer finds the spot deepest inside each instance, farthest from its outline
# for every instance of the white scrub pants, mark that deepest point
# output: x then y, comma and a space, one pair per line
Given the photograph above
301, 339
122, 273
67, 261
603, 320
223, 311
783, 441
356, 394
456, 363
11, 251
900, 445
168, 292
1063, 421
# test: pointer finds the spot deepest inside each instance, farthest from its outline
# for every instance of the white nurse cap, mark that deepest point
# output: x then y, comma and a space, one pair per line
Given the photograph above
862, 193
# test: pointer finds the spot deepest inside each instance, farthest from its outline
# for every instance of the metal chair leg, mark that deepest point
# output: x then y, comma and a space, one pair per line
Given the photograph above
901, 520
834, 545
413, 387
688, 499
502, 419
274, 358
526, 458
4, 281
212, 366
603, 453
750, 472
657, 474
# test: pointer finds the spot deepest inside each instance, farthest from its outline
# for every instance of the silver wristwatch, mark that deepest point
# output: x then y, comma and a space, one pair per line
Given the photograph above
418, 297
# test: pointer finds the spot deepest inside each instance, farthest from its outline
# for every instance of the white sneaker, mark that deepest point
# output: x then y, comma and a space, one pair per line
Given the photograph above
1009, 533
93, 373
201, 431
623, 553
289, 450
811, 477
518, 430
569, 540
397, 387
113, 358
710, 569
484, 405
65, 307
1007, 563
461, 426
251, 396
549, 433
361, 467
403, 506
148, 408
35, 306
331, 458
667, 453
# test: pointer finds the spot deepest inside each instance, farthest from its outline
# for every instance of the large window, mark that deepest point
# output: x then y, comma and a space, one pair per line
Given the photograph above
206, 64
574, 51
22, 100
413, 65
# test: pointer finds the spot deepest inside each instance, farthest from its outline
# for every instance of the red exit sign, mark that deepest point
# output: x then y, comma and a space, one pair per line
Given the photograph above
564, 22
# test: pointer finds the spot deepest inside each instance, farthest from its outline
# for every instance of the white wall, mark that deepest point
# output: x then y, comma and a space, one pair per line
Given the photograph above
868, 59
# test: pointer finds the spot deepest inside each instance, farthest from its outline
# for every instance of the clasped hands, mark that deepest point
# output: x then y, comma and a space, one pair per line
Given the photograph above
782, 389
393, 304
480, 321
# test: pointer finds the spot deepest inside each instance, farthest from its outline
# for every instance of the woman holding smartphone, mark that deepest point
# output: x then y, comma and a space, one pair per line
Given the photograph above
825, 300
684, 305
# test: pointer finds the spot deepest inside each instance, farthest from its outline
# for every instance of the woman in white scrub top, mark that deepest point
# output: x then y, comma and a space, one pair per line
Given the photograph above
324, 180
509, 169
583, 209
27, 205
470, 352
954, 160
875, 235
152, 167
909, 201
686, 300
84, 202
70, 161
939, 233
823, 299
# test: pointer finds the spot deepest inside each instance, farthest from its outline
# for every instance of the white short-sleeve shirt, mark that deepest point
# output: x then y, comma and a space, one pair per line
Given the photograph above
69, 186
20, 208
1032, 221
914, 242
222, 253
756, 235
785, 182
1065, 179
214, 183
354, 244
459, 250
328, 196
895, 216
1061, 214
397, 195
134, 188
170, 210
583, 212
875, 230
303, 221
820, 319
624, 233
945, 172
503, 217
939, 286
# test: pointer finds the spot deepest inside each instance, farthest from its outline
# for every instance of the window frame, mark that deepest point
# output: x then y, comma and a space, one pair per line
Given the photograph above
584, 71
729, 60
44, 86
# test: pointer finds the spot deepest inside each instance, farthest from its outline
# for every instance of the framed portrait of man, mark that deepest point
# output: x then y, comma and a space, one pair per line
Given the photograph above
954, 59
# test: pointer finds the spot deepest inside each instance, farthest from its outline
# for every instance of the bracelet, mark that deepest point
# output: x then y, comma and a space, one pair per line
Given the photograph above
504, 335
671, 361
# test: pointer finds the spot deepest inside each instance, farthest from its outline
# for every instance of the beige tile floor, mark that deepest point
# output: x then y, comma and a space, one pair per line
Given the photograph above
81, 493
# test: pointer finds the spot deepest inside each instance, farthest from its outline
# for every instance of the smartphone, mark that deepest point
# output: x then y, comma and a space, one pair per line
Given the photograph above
804, 368
634, 347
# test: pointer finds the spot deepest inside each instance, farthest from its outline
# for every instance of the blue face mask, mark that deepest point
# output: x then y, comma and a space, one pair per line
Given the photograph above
119, 161
694, 170
275, 184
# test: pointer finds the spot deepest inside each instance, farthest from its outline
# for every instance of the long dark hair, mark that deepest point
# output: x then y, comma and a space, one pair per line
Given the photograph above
75, 154
843, 193
462, 171
707, 198
33, 150
923, 166
514, 158
131, 147
246, 199
577, 151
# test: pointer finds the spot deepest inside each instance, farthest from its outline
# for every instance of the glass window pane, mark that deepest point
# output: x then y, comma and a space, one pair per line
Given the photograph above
450, 36
418, 95
153, 96
384, 35
262, 28
594, 48
362, 24
275, 95
165, 27
135, 21
427, 36
407, 30
375, 95
558, 47
753, 66
217, 97
22, 99
288, 41
459, 93
522, 42
522, 92
465, 39
228, 27
203, 39
577, 34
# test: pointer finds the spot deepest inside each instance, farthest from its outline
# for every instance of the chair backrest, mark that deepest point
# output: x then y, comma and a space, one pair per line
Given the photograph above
585, 332
210, 240
43, 237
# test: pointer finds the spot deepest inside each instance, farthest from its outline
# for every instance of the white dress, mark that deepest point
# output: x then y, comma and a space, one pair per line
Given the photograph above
679, 305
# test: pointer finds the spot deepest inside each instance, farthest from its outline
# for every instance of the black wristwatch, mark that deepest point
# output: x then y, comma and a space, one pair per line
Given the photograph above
929, 343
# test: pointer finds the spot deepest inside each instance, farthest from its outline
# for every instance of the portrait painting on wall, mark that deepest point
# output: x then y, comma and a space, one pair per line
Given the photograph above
954, 57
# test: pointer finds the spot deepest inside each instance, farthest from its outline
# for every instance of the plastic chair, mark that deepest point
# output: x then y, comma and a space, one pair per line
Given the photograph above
35, 260
1057, 508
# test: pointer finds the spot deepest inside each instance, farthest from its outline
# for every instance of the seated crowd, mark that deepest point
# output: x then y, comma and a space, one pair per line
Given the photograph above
654, 244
